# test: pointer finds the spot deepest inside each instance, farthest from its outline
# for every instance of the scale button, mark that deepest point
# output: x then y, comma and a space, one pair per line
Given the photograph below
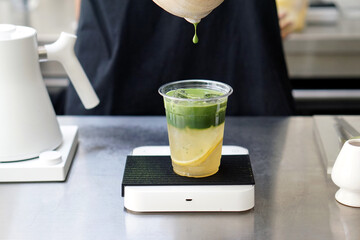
51, 157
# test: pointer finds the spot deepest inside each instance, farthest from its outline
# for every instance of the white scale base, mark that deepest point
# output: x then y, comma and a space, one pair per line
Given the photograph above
43, 170
191, 198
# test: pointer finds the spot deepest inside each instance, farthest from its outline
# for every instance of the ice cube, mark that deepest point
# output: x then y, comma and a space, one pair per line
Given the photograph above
181, 94
211, 95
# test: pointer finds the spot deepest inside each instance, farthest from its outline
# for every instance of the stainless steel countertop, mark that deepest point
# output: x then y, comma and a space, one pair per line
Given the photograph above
322, 51
294, 197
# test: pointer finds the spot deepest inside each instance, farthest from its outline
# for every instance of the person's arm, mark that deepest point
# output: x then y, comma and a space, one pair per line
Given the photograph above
77, 9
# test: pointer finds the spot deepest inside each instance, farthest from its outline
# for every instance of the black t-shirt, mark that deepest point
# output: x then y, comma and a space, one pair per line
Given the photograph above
129, 48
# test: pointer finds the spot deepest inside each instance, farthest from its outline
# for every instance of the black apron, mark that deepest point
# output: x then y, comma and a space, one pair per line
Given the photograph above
129, 48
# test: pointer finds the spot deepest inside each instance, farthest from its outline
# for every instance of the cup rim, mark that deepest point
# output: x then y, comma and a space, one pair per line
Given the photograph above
162, 92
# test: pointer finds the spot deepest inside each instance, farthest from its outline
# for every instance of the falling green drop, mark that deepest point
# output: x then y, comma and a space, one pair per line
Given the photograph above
195, 38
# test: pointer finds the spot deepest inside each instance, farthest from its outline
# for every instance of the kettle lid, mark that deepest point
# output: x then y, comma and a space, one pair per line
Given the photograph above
13, 32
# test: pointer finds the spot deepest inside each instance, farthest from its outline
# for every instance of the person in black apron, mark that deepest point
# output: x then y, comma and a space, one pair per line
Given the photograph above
130, 48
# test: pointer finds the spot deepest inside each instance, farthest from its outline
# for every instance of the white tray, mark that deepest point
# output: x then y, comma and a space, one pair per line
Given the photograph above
40, 170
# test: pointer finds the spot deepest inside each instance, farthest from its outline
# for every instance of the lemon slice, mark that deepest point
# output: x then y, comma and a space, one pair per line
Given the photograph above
198, 160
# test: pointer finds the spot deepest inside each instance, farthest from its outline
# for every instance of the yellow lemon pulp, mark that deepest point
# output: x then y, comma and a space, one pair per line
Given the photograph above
196, 152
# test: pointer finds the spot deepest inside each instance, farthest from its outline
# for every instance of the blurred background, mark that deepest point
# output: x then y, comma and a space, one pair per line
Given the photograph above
323, 55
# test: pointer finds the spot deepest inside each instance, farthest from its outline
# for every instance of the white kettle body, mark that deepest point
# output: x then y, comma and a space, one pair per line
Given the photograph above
28, 124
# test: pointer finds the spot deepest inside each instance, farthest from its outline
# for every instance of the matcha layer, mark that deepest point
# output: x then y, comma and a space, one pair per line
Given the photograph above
200, 114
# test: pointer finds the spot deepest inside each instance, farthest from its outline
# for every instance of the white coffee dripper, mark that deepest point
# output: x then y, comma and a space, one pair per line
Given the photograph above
192, 10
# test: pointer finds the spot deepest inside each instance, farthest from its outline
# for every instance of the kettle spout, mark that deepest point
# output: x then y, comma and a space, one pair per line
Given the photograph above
63, 51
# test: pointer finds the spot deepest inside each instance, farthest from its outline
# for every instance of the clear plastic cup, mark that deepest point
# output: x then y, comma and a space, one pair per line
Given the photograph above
195, 113
295, 13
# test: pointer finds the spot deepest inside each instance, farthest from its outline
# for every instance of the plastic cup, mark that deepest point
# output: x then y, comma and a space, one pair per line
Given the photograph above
295, 11
195, 114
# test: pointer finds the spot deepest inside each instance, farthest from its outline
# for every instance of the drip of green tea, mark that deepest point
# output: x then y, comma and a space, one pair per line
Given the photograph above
195, 38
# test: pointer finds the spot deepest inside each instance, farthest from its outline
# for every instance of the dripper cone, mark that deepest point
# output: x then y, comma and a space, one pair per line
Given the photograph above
192, 10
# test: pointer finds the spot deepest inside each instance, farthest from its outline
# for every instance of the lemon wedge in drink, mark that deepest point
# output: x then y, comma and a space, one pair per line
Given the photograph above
198, 160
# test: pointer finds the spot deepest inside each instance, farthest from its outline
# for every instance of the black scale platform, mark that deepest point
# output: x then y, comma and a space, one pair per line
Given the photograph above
157, 171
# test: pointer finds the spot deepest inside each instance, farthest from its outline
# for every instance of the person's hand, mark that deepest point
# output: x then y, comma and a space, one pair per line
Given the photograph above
77, 9
286, 25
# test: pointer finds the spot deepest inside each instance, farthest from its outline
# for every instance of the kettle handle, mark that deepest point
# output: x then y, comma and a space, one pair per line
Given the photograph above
63, 51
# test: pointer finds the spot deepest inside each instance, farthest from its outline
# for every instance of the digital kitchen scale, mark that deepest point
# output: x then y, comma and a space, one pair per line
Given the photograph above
49, 166
150, 185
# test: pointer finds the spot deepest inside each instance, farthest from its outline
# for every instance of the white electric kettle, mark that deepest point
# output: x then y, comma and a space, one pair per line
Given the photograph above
28, 124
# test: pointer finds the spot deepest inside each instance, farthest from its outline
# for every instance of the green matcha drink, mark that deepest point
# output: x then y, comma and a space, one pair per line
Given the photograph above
195, 38
195, 113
